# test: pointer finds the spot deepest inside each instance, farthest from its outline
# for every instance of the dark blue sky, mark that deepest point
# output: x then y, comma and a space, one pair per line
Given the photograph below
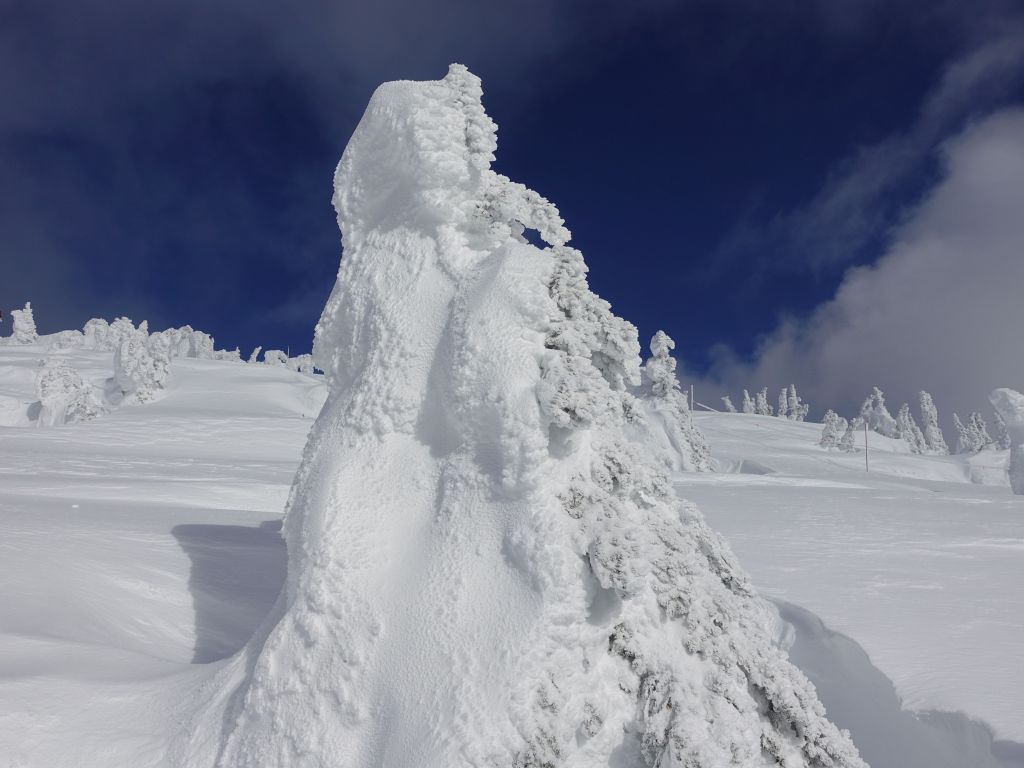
720, 164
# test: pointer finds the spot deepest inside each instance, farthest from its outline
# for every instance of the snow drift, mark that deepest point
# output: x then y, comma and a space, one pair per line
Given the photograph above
487, 564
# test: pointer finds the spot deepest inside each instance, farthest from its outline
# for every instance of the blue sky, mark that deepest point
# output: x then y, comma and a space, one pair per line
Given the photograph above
721, 164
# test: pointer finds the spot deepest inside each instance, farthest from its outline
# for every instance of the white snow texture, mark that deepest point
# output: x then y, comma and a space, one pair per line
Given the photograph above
487, 563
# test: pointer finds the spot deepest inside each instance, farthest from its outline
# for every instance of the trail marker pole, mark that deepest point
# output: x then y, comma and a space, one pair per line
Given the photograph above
867, 468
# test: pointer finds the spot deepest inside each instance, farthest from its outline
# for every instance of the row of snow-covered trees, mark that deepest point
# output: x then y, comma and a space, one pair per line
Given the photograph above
789, 405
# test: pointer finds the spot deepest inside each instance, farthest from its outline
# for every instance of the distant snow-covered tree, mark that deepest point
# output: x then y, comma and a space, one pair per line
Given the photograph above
669, 402
979, 432
142, 367
966, 441
877, 416
255, 356
761, 405
727, 404
782, 411
24, 325
1009, 404
797, 409
1002, 433
830, 434
96, 333
234, 355
930, 422
909, 431
301, 364
848, 442
121, 330
748, 403
67, 340
275, 357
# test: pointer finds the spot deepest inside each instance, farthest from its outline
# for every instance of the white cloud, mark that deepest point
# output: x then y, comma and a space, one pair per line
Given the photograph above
943, 309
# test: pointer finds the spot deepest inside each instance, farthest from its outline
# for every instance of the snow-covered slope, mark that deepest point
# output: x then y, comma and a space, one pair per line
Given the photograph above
923, 568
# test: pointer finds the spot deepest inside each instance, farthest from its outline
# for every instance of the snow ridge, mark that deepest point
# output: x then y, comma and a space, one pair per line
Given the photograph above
487, 564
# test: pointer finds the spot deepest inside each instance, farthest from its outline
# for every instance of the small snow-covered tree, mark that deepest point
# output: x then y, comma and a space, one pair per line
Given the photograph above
301, 364
848, 442
64, 397
748, 403
797, 409
966, 441
1002, 434
275, 357
727, 404
979, 432
782, 411
830, 434
877, 415
669, 402
97, 334
1009, 404
255, 356
761, 403
234, 355
142, 367
930, 421
909, 431
24, 325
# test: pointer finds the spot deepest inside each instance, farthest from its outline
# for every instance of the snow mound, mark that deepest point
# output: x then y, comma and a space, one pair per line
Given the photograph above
487, 564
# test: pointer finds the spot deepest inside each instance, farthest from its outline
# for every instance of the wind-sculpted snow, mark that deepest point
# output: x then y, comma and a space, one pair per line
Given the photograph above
487, 564
24, 325
1009, 404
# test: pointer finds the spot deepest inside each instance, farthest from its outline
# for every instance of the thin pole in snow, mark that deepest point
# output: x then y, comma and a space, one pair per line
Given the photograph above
866, 467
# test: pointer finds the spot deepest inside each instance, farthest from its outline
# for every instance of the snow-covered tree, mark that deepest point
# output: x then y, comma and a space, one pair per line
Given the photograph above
24, 325
234, 355
1009, 404
727, 404
782, 411
761, 405
797, 409
830, 433
121, 330
690, 450
966, 440
67, 340
97, 334
275, 357
142, 367
930, 420
1002, 434
848, 442
979, 432
748, 403
877, 415
909, 431
64, 397
255, 356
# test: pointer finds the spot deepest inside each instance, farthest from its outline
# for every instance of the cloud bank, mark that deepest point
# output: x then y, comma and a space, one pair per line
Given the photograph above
942, 310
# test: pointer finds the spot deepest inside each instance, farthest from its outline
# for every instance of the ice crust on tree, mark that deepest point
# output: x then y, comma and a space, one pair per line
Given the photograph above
761, 406
1009, 404
24, 325
487, 563
64, 397
142, 366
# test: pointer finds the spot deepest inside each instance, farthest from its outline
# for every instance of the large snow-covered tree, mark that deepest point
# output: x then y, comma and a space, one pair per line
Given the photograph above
877, 416
487, 562
930, 420
142, 367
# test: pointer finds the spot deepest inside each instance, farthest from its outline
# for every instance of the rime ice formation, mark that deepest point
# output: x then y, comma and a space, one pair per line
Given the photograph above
1009, 404
142, 366
24, 325
487, 564
64, 397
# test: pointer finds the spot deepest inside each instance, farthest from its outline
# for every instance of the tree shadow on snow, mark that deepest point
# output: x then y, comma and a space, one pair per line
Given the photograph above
237, 572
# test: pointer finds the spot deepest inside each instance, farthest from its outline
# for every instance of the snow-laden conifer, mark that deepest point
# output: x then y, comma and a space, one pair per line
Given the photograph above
782, 410
64, 397
142, 367
275, 357
255, 355
727, 404
24, 325
979, 432
930, 426
848, 442
688, 448
761, 405
797, 409
96, 334
1002, 434
966, 440
748, 403
487, 563
830, 432
877, 416
909, 431
1009, 404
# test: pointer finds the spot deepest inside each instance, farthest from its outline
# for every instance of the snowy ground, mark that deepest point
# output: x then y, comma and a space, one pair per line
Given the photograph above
138, 550
923, 568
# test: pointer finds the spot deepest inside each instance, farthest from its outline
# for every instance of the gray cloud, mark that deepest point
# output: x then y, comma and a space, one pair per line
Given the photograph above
942, 310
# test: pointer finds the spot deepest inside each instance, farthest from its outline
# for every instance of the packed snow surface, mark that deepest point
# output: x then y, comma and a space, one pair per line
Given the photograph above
921, 566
